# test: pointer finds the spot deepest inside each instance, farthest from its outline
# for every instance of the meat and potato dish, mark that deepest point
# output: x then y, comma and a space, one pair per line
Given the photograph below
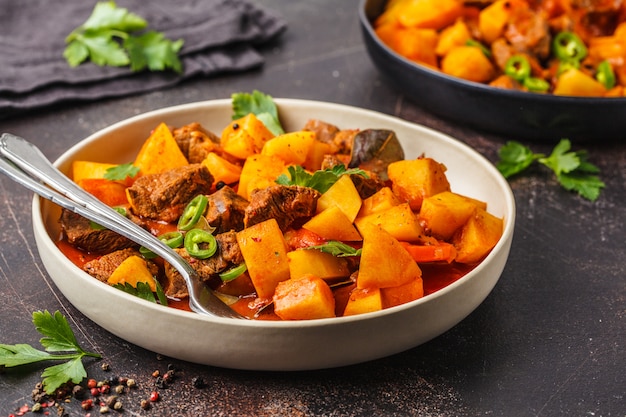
561, 47
318, 223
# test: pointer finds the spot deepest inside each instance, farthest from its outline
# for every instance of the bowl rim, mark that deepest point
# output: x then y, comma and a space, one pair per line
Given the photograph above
39, 224
472, 85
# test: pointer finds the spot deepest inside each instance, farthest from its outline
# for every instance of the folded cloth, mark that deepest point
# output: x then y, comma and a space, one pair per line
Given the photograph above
219, 36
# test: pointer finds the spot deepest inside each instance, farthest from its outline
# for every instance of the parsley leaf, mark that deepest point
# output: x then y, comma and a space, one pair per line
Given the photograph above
108, 38
337, 248
263, 107
58, 334
58, 337
321, 180
572, 169
142, 290
121, 172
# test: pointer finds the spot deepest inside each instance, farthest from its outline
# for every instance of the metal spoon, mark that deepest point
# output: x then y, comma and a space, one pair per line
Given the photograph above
24, 163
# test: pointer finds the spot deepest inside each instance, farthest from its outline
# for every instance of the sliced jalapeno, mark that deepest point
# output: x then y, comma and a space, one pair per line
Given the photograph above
192, 213
483, 48
605, 75
568, 46
566, 65
172, 239
538, 85
517, 67
234, 272
200, 244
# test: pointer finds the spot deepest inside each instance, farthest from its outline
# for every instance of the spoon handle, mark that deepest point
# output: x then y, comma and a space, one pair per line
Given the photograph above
24, 163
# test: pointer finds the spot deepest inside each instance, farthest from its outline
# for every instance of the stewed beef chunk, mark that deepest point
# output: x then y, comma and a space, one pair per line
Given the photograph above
164, 196
227, 255
195, 142
366, 186
85, 235
102, 267
285, 203
226, 210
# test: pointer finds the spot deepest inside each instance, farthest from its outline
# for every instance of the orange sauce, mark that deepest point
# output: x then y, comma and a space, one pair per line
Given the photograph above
435, 276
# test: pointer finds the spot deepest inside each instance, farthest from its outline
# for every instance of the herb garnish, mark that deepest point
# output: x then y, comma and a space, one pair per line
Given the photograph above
321, 180
261, 105
58, 337
108, 37
121, 172
337, 248
142, 290
572, 169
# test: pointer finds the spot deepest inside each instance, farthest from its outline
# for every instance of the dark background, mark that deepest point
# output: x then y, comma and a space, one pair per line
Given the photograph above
548, 341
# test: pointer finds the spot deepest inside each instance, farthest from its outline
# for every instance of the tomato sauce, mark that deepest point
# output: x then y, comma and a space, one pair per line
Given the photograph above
435, 277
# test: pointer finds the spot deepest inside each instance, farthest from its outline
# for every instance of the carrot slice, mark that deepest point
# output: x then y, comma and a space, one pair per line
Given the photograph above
441, 251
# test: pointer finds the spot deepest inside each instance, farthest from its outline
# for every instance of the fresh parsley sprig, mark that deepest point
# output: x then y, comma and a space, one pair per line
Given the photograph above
321, 180
142, 290
109, 37
336, 248
261, 105
58, 337
121, 172
572, 169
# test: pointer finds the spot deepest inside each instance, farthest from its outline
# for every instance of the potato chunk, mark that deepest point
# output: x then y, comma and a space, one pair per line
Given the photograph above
305, 298
414, 180
446, 212
479, 235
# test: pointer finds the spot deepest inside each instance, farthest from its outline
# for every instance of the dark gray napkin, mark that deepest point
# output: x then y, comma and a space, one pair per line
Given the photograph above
219, 35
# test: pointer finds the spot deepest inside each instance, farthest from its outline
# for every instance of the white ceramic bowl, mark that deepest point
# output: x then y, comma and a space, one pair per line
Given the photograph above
263, 345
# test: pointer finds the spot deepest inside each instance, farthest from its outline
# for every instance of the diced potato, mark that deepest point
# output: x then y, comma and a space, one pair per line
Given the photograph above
363, 300
259, 171
384, 261
493, 18
305, 298
316, 155
293, 148
574, 82
446, 212
382, 200
221, 169
265, 252
332, 224
399, 221
414, 43
456, 35
432, 14
88, 169
245, 136
321, 264
469, 63
413, 180
342, 194
160, 152
479, 235
131, 271
111, 193
394, 296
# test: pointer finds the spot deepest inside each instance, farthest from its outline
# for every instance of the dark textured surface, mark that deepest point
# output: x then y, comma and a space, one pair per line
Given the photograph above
548, 341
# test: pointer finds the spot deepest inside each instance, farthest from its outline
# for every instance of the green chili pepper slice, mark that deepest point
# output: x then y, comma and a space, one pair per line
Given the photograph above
233, 272
566, 65
172, 239
568, 46
192, 213
535, 84
605, 75
200, 244
483, 48
517, 67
